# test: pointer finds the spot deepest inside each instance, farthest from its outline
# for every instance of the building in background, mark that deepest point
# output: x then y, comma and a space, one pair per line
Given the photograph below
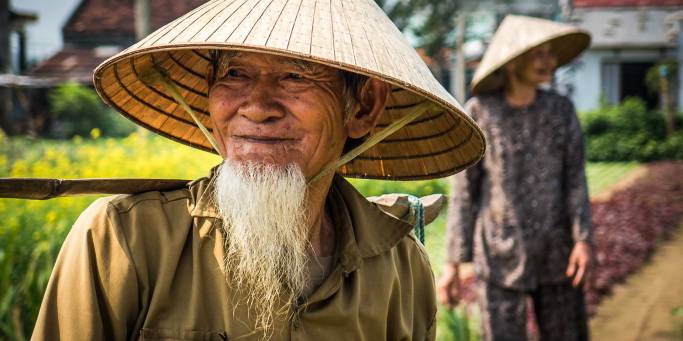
12, 28
98, 29
95, 31
629, 37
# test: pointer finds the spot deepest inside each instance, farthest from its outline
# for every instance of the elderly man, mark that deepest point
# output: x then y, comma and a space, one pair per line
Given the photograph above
272, 244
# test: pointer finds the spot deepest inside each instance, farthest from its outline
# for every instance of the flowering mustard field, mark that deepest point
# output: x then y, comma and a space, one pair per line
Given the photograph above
32, 231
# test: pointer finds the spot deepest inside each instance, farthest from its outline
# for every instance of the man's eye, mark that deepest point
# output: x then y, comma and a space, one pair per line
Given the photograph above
294, 76
234, 73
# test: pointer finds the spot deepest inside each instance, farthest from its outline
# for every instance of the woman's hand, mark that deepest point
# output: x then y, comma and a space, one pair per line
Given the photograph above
449, 285
579, 263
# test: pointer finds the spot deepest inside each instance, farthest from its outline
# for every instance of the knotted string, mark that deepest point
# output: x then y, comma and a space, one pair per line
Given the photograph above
417, 210
156, 74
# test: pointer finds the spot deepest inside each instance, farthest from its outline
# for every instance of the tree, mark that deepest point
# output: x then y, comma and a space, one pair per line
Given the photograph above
433, 22
78, 111
437, 24
661, 78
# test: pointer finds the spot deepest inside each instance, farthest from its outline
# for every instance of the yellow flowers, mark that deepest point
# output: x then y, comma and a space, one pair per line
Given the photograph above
32, 231
95, 133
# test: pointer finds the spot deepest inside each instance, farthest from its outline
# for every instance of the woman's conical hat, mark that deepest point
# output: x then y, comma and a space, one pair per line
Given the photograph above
353, 35
519, 34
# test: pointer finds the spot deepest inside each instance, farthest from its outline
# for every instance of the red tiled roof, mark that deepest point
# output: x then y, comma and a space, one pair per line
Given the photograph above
71, 63
626, 3
117, 16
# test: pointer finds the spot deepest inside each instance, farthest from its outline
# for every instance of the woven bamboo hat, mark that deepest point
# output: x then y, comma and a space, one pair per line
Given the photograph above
353, 35
519, 34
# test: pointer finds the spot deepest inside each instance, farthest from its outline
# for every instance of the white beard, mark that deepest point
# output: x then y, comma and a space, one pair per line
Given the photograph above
266, 236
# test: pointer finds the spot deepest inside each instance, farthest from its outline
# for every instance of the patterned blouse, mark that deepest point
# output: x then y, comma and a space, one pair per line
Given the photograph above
518, 213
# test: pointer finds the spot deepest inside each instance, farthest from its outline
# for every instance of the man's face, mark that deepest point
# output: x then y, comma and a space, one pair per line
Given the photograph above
278, 111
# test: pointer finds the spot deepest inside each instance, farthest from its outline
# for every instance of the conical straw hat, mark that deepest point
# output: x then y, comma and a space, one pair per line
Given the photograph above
353, 35
519, 34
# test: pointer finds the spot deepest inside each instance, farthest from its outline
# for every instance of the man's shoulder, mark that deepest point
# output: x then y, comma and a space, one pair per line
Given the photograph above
414, 250
130, 203
117, 213
406, 268
407, 259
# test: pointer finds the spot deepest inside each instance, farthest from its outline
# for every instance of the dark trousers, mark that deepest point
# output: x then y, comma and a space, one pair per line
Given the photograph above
559, 308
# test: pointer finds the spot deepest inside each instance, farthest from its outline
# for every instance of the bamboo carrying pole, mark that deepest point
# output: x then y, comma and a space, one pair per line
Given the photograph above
32, 188
42, 189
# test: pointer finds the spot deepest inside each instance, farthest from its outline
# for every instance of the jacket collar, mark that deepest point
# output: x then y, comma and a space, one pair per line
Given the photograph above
374, 231
201, 202
363, 230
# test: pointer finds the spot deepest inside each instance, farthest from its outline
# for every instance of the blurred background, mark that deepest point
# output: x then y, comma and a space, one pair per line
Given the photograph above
626, 88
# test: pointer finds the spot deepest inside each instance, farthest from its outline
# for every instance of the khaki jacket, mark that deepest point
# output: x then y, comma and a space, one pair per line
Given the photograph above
148, 267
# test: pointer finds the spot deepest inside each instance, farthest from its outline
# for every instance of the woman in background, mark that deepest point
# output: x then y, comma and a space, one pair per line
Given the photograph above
522, 215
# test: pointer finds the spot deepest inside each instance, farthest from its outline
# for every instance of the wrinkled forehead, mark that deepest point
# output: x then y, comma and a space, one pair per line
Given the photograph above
224, 59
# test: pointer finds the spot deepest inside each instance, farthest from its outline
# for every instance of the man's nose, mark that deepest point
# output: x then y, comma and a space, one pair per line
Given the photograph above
260, 105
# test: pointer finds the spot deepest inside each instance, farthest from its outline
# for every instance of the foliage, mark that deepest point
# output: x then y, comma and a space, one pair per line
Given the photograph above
664, 69
33, 231
678, 311
629, 132
603, 175
432, 22
437, 24
417, 188
77, 110
628, 225
458, 324
399, 11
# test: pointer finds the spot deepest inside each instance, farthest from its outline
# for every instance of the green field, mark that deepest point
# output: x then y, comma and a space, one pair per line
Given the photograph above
32, 231
602, 175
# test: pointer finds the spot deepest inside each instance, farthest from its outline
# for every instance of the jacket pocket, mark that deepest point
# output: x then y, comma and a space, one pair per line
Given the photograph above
179, 334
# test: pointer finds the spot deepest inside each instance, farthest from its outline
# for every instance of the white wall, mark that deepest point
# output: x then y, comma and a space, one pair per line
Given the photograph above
587, 76
627, 27
618, 35
586, 81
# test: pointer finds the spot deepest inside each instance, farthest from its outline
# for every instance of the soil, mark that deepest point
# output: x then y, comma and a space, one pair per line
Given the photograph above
641, 308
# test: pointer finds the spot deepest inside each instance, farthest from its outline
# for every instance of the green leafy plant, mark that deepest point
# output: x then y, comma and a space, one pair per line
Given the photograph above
77, 110
32, 231
458, 324
678, 312
628, 132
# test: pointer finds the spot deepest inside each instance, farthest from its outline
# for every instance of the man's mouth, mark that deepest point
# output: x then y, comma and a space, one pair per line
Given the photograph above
263, 139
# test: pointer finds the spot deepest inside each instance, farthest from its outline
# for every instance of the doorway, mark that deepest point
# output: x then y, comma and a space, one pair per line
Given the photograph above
633, 83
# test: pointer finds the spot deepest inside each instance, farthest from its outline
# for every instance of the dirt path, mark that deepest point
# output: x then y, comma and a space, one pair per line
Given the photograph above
640, 309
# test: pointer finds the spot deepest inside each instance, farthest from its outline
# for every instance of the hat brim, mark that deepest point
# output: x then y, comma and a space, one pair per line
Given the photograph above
441, 142
565, 46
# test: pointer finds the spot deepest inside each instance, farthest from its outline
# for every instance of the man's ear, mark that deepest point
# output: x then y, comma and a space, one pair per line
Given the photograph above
209, 78
372, 99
